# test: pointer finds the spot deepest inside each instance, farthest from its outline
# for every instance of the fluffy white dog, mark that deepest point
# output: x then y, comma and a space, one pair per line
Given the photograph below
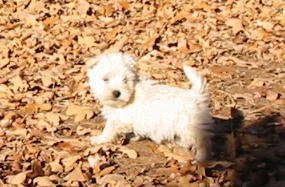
148, 108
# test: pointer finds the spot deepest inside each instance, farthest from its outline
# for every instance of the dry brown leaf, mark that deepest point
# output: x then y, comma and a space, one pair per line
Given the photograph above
107, 171
79, 112
223, 71
257, 82
67, 146
73, 109
69, 162
37, 169
239, 62
184, 182
76, 175
44, 106
56, 167
32, 149
47, 81
236, 24
265, 24
125, 4
80, 130
51, 21
83, 6
5, 90
42, 125
29, 109
112, 179
16, 164
87, 41
19, 84
2, 133
79, 117
53, 118
130, 152
271, 95
118, 45
43, 181
8, 119
17, 179
19, 132
181, 156
194, 48
4, 62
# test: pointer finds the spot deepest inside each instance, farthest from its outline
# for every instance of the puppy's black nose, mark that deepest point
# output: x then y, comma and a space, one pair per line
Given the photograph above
116, 93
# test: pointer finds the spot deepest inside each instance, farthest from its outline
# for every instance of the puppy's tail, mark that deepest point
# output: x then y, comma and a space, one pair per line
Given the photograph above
199, 84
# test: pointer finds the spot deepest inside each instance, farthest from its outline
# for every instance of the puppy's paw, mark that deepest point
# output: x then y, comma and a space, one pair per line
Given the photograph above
99, 139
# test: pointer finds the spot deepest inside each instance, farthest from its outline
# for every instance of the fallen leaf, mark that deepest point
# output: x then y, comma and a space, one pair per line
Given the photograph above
51, 21
8, 119
69, 162
17, 179
236, 24
19, 132
42, 124
106, 171
44, 106
47, 81
80, 130
125, 4
43, 181
180, 156
130, 152
118, 45
19, 84
66, 146
37, 169
257, 82
4, 62
185, 182
271, 95
265, 24
83, 6
76, 175
56, 167
29, 109
53, 118
79, 112
223, 71
111, 179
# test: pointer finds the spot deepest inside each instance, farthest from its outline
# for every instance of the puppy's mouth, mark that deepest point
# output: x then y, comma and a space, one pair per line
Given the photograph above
118, 102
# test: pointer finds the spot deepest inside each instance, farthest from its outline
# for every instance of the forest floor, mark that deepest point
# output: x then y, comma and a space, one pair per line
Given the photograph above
47, 113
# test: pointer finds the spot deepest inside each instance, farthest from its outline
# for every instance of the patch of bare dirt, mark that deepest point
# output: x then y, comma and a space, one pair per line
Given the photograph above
47, 112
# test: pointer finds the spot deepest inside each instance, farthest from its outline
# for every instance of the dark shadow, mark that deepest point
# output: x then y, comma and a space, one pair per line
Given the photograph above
250, 153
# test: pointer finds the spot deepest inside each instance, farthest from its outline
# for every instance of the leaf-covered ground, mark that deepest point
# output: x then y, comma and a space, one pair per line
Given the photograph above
47, 113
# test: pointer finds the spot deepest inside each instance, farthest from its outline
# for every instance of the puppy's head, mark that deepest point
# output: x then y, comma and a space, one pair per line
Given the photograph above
112, 78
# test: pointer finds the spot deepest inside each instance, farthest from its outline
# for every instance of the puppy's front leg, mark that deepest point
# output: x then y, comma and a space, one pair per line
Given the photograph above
109, 133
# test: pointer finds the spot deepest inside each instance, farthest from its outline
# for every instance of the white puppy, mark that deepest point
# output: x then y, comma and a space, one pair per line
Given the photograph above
148, 108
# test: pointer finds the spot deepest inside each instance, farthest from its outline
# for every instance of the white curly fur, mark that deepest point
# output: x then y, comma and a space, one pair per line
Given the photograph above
148, 108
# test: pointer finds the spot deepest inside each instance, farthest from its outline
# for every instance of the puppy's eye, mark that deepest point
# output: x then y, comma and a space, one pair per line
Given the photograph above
125, 80
105, 79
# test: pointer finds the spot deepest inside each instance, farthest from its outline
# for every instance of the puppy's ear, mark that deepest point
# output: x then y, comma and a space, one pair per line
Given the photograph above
130, 61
